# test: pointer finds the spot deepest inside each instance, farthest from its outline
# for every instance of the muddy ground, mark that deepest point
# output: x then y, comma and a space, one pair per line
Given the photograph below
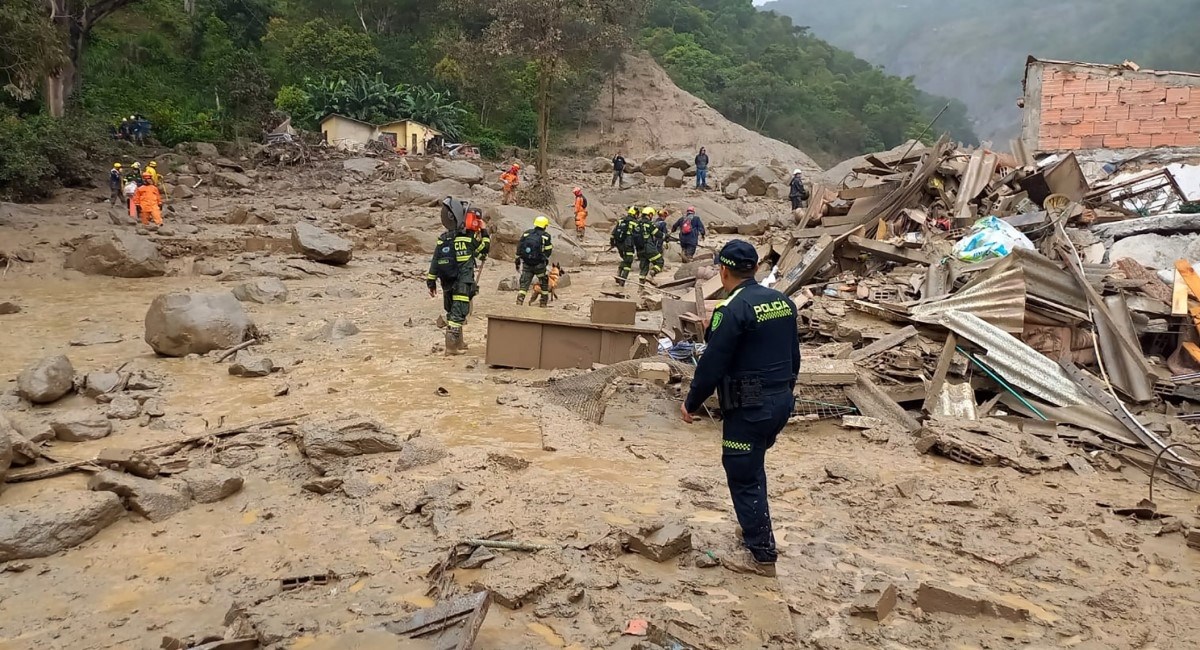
1037, 560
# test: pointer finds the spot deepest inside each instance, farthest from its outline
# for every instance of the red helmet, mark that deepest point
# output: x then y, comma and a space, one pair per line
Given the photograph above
691, 209
578, 191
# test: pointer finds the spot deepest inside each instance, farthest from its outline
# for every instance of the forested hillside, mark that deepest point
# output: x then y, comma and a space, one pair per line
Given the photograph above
495, 72
975, 50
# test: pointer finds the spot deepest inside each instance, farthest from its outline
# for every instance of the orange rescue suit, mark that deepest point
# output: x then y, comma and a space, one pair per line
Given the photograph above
580, 212
149, 200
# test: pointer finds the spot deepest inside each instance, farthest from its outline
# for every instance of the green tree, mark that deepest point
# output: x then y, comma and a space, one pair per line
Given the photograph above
30, 48
317, 48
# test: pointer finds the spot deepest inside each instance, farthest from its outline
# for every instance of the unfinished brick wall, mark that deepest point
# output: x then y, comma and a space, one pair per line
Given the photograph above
1073, 106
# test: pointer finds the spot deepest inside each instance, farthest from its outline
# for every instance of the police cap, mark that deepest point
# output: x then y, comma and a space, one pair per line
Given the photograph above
738, 255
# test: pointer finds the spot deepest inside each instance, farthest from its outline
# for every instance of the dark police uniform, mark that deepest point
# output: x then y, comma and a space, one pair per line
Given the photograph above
752, 360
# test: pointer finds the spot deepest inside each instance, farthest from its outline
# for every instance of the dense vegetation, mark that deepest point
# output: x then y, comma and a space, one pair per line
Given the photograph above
975, 50
496, 72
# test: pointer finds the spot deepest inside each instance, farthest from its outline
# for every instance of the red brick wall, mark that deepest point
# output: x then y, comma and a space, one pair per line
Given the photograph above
1114, 108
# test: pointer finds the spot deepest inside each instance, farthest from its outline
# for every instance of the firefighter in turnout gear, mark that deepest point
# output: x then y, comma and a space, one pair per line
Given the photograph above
533, 254
752, 361
453, 265
650, 260
622, 240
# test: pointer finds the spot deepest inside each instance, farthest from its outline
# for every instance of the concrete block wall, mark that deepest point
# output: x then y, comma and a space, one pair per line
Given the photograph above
1071, 106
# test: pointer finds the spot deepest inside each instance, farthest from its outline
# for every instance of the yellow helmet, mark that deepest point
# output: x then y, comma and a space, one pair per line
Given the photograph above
632, 211
541, 222
153, 163
116, 165
648, 211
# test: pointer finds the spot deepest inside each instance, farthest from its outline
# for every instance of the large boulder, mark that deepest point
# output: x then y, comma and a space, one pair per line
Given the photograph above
264, 291
601, 165
410, 239
459, 170
54, 521
47, 380
212, 484
202, 149
80, 425
326, 445
232, 180
320, 246
9, 438
428, 195
153, 499
674, 178
506, 224
659, 164
120, 254
180, 323
758, 179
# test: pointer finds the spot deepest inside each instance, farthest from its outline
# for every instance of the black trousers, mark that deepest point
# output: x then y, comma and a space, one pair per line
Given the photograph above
747, 435
795, 202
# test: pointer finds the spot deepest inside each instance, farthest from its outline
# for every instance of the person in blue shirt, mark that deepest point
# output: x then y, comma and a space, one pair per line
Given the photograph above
690, 229
752, 361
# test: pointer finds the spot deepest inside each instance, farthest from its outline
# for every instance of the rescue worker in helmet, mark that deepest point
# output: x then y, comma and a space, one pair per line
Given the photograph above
581, 213
533, 259
511, 179
149, 201
115, 183
646, 243
453, 265
622, 238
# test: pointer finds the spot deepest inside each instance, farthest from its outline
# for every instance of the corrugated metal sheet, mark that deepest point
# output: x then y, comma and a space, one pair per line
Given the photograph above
1019, 364
1128, 372
1044, 279
998, 299
980, 170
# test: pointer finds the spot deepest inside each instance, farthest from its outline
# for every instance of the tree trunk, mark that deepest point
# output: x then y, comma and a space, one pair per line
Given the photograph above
545, 73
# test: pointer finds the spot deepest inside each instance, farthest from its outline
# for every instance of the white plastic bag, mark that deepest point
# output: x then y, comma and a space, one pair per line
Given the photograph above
990, 237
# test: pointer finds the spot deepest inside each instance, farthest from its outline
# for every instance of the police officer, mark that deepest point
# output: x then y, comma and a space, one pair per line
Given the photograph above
453, 264
752, 360
622, 240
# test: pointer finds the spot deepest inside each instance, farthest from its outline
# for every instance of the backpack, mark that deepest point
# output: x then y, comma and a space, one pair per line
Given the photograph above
531, 248
445, 259
687, 226
640, 229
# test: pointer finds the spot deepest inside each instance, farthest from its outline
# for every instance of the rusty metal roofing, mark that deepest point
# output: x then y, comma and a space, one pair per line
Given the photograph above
1044, 279
1126, 370
998, 298
1017, 363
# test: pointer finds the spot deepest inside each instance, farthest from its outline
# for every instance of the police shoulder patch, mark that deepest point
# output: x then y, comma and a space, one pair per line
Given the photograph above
716, 320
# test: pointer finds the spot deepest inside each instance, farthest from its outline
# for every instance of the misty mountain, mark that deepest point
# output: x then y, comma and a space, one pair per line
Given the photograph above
975, 50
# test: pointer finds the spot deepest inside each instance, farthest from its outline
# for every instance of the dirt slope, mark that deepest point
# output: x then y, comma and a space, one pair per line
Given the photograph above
653, 115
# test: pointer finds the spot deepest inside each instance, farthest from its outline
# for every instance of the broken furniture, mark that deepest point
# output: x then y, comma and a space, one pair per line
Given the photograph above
527, 342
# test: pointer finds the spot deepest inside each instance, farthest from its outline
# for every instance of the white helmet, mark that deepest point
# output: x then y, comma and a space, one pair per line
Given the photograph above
795, 171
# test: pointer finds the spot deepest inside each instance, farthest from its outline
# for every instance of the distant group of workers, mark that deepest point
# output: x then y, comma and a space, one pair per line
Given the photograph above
142, 190
642, 233
700, 161
134, 128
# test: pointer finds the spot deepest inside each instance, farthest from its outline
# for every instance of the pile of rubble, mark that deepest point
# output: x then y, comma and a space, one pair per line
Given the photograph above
965, 297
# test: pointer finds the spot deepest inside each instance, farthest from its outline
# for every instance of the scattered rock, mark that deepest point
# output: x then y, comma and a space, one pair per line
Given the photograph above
128, 460
342, 188
144, 380
778, 191
509, 284
54, 521
21, 450
418, 451
412, 240
247, 365
153, 499
118, 253
202, 149
427, 195
179, 323
241, 216
364, 166
7, 436
479, 557
95, 338
235, 456
458, 170
360, 220
212, 484
875, 602
320, 246
659, 542
154, 408
47, 380
123, 407
357, 487
335, 330
206, 267
36, 431
332, 202
661, 164
324, 484
964, 602
80, 425
656, 371
601, 166
7, 308
327, 444
507, 461
232, 180
264, 291
524, 581
674, 178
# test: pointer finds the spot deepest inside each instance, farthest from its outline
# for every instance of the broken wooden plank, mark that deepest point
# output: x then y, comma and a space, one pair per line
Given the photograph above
939, 374
890, 252
854, 193
1179, 296
886, 343
823, 371
468, 610
873, 402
